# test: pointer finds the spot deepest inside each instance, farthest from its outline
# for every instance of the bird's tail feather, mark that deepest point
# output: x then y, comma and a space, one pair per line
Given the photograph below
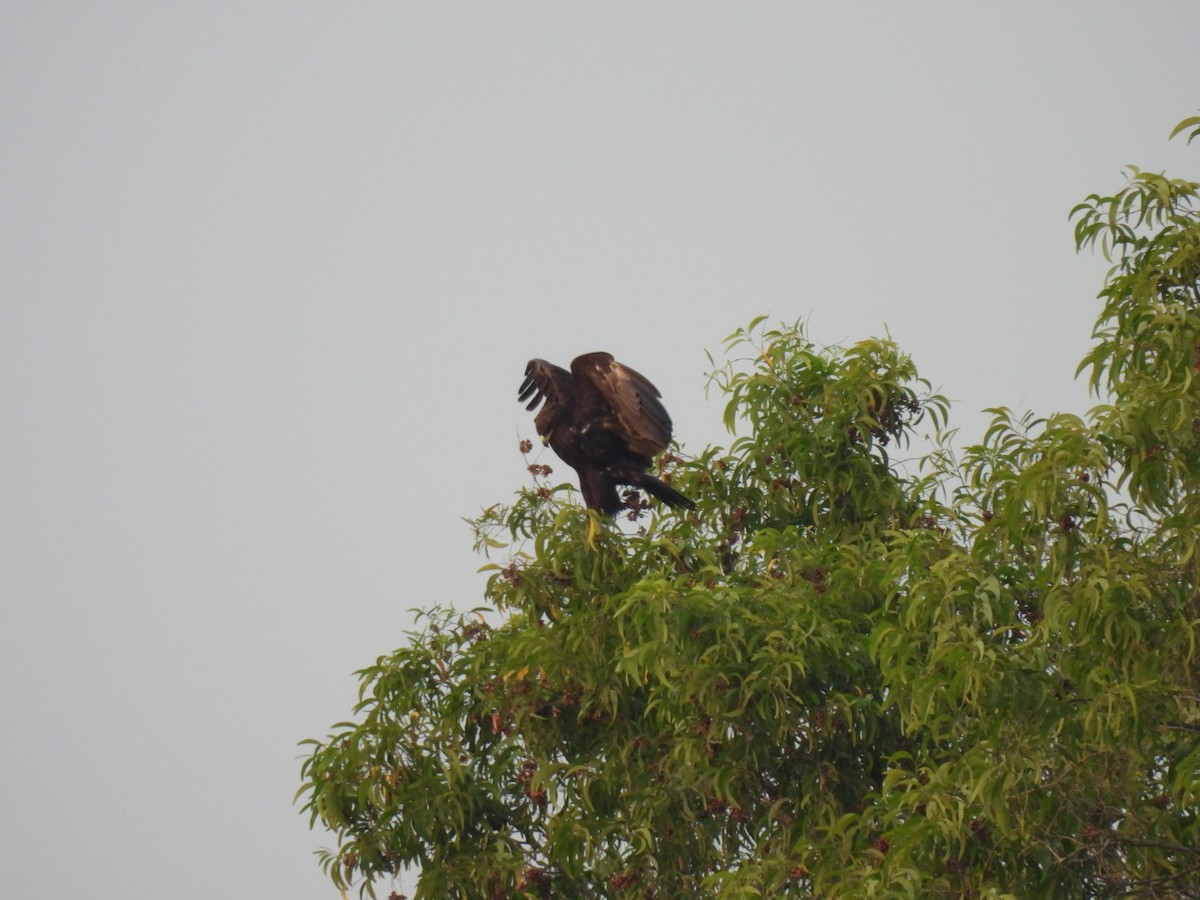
665, 492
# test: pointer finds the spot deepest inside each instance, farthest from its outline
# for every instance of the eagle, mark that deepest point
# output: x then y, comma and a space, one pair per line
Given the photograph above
605, 421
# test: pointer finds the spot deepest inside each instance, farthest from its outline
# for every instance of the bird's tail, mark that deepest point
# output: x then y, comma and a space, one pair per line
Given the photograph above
664, 492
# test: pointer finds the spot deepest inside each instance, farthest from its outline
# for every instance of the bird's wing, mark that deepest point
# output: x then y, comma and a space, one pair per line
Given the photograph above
546, 381
605, 387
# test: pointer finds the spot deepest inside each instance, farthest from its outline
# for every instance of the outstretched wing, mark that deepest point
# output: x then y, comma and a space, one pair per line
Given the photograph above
605, 387
554, 384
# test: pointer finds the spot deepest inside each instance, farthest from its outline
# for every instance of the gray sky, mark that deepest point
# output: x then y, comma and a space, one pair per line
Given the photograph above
272, 273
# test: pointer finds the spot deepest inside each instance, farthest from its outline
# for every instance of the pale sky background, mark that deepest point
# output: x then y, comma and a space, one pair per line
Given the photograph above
272, 271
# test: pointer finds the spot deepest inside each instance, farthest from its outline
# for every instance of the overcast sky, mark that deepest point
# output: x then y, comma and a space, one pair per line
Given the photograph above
271, 273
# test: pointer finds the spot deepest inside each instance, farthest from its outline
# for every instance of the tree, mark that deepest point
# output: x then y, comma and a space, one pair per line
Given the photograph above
838, 676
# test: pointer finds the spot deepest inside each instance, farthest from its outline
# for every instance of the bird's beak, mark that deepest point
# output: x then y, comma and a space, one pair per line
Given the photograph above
545, 438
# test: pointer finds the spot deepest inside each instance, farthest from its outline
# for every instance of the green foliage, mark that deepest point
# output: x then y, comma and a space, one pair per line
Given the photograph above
840, 676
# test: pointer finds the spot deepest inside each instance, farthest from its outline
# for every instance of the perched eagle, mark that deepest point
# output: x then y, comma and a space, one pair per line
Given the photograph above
605, 421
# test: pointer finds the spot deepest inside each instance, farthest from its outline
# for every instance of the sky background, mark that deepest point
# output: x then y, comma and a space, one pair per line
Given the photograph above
271, 273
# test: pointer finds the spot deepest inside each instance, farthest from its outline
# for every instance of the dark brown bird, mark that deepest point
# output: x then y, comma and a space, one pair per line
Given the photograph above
606, 422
